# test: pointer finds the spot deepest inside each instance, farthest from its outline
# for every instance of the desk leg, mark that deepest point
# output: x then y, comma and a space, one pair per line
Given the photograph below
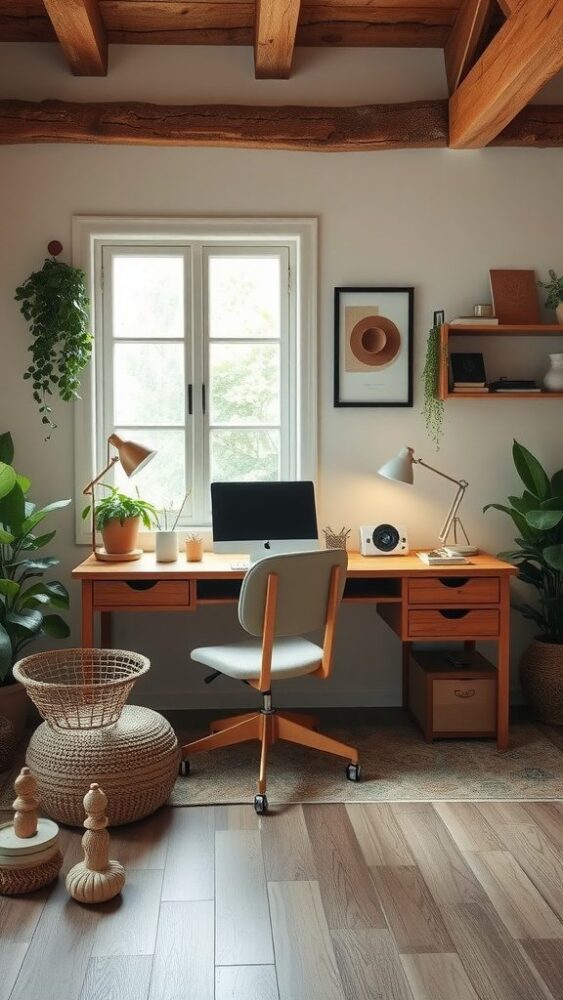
105, 629
406, 653
87, 613
503, 667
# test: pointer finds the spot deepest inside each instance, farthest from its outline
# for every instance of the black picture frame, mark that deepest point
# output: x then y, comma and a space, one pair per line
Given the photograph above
361, 378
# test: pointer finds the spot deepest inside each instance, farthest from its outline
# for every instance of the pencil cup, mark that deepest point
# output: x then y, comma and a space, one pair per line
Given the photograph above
335, 540
194, 549
166, 546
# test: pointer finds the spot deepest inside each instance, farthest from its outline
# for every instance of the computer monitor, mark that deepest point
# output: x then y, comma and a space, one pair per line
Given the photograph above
260, 519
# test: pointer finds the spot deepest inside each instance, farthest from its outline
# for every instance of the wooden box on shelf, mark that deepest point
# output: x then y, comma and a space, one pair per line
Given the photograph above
449, 330
449, 698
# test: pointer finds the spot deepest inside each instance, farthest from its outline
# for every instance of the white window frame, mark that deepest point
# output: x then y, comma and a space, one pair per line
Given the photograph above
89, 236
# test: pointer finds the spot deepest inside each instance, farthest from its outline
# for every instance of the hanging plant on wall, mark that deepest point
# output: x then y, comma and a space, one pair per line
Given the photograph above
433, 409
55, 304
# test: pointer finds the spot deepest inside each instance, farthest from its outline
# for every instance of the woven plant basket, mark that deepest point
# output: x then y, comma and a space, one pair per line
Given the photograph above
8, 743
541, 675
16, 881
80, 688
135, 761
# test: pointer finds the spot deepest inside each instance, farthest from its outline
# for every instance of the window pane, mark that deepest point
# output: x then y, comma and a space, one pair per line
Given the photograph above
244, 383
244, 454
244, 297
148, 384
148, 297
162, 481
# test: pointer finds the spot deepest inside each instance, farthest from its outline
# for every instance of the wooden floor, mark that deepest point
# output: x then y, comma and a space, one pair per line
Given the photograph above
451, 901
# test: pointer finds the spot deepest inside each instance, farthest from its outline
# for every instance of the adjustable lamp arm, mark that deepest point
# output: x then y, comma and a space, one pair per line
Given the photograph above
462, 485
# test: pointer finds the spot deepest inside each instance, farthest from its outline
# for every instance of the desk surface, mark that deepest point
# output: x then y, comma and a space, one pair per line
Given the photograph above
215, 566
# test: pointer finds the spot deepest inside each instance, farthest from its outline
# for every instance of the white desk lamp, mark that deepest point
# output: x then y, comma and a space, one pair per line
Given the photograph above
400, 469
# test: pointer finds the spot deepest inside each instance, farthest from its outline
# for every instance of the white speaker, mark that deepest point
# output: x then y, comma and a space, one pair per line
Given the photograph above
383, 540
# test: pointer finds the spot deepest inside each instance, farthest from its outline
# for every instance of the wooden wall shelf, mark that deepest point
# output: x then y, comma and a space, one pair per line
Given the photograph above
499, 330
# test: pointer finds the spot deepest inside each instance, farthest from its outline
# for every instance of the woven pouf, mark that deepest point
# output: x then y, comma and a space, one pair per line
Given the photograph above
135, 761
8, 743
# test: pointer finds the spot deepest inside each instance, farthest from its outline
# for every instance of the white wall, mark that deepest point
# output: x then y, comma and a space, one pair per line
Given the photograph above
435, 219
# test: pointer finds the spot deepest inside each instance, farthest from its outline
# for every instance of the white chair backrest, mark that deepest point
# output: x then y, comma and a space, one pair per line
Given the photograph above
303, 587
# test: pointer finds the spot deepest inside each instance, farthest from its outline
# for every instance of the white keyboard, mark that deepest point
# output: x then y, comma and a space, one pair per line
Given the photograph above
241, 565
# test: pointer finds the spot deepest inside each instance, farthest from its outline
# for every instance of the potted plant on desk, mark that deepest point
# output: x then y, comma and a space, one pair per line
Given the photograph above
538, 516
26, 600
119, 518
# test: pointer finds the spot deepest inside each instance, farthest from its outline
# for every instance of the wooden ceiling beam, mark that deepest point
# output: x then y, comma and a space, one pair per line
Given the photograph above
82, 35
537, 125
422, 124
274, 38
464, 38
522, 57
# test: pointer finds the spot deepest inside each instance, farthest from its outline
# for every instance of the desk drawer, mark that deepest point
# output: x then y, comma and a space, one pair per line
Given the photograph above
453, 623
143, 594
454, 590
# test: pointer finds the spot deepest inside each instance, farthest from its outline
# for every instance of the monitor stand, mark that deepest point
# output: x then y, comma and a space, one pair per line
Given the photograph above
277, 546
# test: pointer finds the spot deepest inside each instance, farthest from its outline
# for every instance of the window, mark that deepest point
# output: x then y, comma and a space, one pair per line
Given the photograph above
204, 350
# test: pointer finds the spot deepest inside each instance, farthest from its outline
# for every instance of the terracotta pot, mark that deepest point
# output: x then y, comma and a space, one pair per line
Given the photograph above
14, 705
121, 538
541, 675
559, 312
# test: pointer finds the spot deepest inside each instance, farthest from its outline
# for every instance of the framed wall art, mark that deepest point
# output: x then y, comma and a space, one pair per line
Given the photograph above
373, 337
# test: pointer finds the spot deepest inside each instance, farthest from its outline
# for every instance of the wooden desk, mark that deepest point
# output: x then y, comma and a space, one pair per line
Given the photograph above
420, 603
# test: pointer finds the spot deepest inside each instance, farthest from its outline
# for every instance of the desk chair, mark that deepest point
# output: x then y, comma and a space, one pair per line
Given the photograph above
281, 597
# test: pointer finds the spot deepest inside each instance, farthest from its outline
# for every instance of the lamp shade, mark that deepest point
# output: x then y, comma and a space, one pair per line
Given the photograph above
400, 467
132, 456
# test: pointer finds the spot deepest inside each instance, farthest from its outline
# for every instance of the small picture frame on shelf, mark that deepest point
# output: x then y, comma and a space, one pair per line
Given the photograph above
468, 368
439, 318
373, 346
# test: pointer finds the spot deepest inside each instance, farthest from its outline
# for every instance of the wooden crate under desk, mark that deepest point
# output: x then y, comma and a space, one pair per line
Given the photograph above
453, 700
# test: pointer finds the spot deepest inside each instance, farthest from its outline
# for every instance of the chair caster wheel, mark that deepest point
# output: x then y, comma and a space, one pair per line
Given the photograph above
353, 772
260, 804
184, 768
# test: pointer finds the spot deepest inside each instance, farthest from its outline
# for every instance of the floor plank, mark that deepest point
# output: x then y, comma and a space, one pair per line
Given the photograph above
548, 816
12, 955
125, 977
246, 982
128, 923
468, 826
410, 910
143, 845
236, 817
305, 960
288, 854
370, 966
347, 891
379, 834
242, 930
189, 868
546, 957
494, 964
438, 977
184, 955
520, 906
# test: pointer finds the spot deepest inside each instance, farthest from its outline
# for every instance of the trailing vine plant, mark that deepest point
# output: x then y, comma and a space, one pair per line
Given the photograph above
433, 409
55, 304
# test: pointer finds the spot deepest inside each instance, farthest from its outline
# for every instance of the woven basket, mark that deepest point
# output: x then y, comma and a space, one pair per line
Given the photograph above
541, 675
135, 762
16, 881
8, 743
80, 688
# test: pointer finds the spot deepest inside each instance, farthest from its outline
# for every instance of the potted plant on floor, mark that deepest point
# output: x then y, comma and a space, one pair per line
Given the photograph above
119, 518
538, 516
26, 599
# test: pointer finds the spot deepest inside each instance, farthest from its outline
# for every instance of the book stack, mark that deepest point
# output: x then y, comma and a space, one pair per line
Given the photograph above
474, 321
472, 387
515, 385
468, 374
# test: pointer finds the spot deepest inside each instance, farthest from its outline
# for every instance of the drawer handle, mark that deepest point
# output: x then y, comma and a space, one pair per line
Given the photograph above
453, 612
453, 581
464, 694
141, 584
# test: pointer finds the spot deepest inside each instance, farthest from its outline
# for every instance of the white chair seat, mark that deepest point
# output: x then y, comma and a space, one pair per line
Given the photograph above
292, 657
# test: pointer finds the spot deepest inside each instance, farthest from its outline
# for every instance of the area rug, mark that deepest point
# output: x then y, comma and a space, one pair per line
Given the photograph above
397, 765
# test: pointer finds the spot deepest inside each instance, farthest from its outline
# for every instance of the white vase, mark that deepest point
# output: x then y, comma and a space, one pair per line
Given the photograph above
553, 380
166, 546
559, 312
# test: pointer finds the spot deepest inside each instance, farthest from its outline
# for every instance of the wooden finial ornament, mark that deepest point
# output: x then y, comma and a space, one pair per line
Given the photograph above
25, 805
96, 879
55, 248
29, 847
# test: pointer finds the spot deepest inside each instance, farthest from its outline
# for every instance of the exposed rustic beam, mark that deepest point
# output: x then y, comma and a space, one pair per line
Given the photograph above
422, 124
464, 38
522, 57
539, 125
274, 38
80, 30
509, 6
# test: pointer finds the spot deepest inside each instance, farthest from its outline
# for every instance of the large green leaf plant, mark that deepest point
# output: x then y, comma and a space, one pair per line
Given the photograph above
538, 517
27, 601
